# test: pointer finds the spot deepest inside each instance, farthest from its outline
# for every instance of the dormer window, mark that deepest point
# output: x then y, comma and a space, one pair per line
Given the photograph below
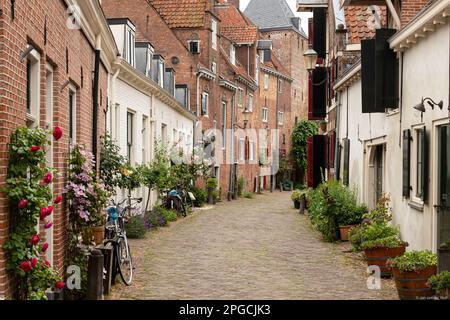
144, 57
124, 32
182, 94
158, 69
169, 81
194, 44
233, 55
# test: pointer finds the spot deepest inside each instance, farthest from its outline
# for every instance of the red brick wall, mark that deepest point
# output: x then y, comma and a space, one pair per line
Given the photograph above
26, 28
410, 8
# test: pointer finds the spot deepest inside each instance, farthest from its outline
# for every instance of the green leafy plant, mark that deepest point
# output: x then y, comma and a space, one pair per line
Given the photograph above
111, 164
356, 239
249, 195
135, 228
414, 261
381, 236
296, 195
212, 183
304, 130
440, 283
241, 186
169, 215
28, 189
201, 197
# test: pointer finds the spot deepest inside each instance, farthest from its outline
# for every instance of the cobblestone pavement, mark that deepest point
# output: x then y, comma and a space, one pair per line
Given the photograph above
247, 249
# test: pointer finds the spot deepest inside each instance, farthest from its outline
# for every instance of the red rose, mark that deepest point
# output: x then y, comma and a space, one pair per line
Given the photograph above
58, 199
48, 178
45, 247
47, 263
44, 213
57, 133
49, 225
34, 149
49, 210
59, 285
35, 240
34, 262
23, 203
25, 266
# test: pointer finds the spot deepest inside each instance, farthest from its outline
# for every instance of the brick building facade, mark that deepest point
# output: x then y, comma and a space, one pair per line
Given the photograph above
60, 68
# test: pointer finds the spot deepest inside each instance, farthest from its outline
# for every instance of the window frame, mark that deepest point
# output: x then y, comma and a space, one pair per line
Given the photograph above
73, 115
214, 36
241, 146
33, 89
233, 55
280, 118
190, 42
224, 124
250, 102
130, 136
265, 115
240, 99
266, 81
205, 99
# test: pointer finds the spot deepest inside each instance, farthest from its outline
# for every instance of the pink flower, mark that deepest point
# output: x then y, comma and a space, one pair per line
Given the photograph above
57, 133
44, 213
59, 285
45, 247
34, 149
23, 204
48, 178
25, 266
49, 210
35, 240
58, 199
34, 262
47, 263
49, 225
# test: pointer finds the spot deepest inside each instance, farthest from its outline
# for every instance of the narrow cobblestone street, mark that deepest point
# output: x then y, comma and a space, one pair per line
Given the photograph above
247, 249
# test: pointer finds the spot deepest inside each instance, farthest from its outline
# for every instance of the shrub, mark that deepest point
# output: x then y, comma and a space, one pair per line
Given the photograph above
136, 228
356, 238
241, 186
296, 195
201, 197
155, 218
248, 195
440, 283
212, 183
169, 215
414, 261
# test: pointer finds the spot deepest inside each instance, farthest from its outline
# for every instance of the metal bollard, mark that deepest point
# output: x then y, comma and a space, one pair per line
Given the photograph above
95, 276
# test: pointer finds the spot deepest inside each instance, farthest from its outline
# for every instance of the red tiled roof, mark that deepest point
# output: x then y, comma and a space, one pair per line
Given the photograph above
360, 22
181, 13
235, 26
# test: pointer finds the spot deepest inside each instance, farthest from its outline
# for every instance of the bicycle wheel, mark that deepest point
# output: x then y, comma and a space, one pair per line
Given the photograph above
124, 261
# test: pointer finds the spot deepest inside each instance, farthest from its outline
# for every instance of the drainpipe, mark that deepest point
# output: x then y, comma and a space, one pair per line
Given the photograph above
95, 91
232, 171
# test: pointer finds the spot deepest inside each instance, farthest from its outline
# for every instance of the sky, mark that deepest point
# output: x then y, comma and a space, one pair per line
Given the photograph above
293, 5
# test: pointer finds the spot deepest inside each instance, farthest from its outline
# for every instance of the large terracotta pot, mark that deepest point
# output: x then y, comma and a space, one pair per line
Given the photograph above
380, 256
344, 232
93, 235
413, 285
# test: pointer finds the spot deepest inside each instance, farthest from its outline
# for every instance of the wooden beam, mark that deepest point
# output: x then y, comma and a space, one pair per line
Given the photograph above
419, 35
428, 28
408, 41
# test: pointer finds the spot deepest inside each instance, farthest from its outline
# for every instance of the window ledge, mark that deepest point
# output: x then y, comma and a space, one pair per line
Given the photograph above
416, 205
392, 112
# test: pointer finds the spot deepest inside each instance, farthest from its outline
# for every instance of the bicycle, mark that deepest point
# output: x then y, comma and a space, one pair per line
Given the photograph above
178, 199
116, 234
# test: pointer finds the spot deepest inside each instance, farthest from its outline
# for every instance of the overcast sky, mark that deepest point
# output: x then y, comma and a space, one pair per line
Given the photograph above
292, 3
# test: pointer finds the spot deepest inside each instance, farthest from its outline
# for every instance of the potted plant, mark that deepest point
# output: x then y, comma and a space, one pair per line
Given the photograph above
350, 219
412, 271
440, 284
380, 243
295, 197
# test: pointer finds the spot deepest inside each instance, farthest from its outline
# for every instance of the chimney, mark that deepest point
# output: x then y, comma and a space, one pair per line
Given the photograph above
235, 3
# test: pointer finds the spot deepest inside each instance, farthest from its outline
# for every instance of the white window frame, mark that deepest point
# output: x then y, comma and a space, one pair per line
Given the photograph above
198, 46
266, 81
130, 46
251, 151
214, 34
233, 55
131, 150
240, 99
280, 117
414, 164
224, 125
265, 115
33, 117
73, 115
205, 95
280, 85
250, 102
241, 149
214, 67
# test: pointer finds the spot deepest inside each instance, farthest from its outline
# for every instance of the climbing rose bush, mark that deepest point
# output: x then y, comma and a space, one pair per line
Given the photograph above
29, 195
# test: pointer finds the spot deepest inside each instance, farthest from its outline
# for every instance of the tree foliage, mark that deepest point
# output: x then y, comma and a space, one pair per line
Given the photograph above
300, 135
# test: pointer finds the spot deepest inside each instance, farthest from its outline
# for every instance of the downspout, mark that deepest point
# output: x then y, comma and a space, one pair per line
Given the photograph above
401, 101
337, 139
232, 171
95, 91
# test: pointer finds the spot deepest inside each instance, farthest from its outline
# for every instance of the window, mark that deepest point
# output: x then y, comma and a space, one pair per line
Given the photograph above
421, 161
130, 134
72, 116
265, 115
233, 55
205, 103
251, 151
250, 103
214, 33
145, 141
164, 134
240, 97
214, 67
280, 85
182, 94
224, 124
280, 118
33, 89
257, 70
241, 149
130, 48
194, 46
266, 81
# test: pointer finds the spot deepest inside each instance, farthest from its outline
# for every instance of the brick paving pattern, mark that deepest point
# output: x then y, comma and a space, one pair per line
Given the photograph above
247, 249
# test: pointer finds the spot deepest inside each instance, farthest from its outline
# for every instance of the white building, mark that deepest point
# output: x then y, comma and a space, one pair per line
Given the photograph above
144, 111
405, 152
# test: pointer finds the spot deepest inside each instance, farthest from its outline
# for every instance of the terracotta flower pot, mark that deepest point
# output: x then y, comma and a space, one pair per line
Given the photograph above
344, 232
413, 285
380, 256
93, 235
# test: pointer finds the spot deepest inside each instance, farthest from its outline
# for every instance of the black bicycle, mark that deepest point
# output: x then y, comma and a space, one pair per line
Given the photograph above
118, 215
178, 199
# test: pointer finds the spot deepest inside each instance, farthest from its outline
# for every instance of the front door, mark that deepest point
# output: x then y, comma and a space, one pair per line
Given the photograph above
443, 208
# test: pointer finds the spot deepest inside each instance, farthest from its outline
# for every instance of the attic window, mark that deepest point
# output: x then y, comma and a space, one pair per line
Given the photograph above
194, 46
